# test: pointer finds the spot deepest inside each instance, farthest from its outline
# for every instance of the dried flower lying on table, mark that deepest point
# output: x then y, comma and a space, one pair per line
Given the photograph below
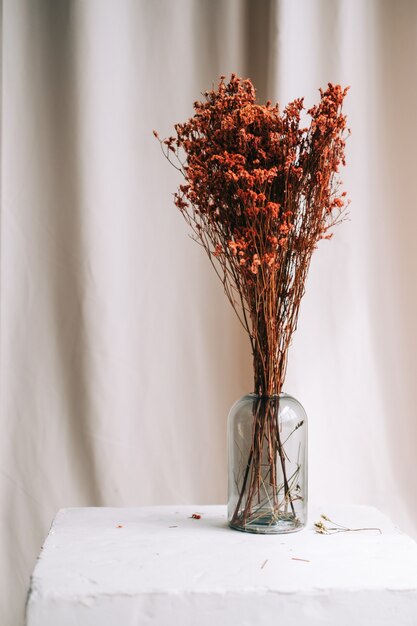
322, 529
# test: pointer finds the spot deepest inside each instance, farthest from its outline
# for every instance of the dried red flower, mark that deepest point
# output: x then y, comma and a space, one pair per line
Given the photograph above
260, 192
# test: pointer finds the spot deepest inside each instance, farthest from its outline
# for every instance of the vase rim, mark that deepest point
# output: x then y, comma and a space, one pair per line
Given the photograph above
253, 397
272, 395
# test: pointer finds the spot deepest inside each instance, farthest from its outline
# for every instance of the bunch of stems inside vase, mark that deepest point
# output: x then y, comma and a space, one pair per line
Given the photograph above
267, 470
260, 190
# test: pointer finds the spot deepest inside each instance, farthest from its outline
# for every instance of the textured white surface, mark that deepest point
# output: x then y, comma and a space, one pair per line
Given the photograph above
157, 565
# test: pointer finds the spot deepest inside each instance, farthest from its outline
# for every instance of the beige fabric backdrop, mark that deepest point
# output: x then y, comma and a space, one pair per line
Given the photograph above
119, 354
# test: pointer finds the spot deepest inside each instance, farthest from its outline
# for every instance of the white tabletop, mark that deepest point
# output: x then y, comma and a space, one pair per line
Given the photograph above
159, 566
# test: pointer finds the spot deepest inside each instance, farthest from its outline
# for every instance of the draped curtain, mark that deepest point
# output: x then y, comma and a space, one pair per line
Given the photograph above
119, 354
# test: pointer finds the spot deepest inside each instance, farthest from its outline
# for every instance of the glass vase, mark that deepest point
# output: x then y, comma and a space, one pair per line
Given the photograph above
267, 464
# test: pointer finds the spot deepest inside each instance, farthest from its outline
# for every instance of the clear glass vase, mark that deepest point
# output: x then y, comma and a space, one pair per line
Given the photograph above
267, 458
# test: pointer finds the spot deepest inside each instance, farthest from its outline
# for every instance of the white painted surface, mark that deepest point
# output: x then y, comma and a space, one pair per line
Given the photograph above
161, 567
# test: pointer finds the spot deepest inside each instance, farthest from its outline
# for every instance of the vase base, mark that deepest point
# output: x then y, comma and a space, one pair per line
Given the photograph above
268, 524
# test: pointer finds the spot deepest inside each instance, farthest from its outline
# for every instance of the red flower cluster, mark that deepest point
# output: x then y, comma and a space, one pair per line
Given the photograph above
259, 193
252, 172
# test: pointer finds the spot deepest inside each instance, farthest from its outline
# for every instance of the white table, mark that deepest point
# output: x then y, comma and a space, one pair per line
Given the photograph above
158, 566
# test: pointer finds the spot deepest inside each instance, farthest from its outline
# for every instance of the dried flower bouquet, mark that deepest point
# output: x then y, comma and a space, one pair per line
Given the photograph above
260, 190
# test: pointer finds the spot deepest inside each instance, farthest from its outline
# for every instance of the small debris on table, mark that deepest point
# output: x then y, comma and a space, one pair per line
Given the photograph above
196, 516
264, 563
294, 558
119, 526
